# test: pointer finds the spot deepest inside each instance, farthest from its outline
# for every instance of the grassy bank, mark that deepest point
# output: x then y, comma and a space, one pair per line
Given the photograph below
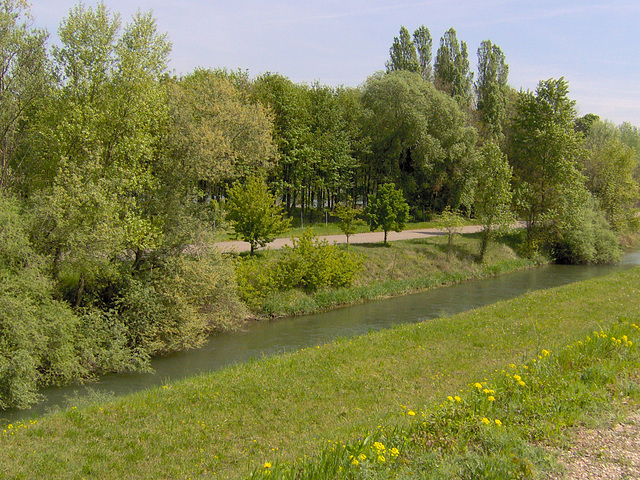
287, 407
403, 267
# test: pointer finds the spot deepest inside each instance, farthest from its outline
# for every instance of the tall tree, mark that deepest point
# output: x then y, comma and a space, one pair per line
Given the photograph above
452, 73
493, 194
101, 140
424, 44
403, 53
491, 88
25, 75
609, 167
419, 140
551, 195
218, 135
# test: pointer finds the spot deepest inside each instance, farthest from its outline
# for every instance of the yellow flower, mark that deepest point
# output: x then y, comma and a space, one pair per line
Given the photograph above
521, 383
395, 452
355, 462
517, 377
546, 353
362, 457
267, 465
379, 446
411, 413
457, 399
381, 459
450, 398
485, 420
490, 398
498, 422
477, 385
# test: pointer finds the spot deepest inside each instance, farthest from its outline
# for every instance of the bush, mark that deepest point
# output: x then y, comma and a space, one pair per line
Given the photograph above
177, 305
37, 333
311, 264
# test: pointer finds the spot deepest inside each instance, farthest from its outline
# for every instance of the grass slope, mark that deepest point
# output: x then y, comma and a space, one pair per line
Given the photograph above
228, 423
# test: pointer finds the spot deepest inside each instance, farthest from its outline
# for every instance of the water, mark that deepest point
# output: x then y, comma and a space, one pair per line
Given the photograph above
267, 338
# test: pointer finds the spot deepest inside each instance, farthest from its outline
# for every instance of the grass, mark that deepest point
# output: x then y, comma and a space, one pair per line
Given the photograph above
403, 267
285, 409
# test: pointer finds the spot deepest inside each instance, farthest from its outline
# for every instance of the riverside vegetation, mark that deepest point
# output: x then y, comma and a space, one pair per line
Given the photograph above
477, 395
115, 176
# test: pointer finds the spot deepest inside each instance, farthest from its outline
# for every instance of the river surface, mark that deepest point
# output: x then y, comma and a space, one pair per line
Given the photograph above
282, 335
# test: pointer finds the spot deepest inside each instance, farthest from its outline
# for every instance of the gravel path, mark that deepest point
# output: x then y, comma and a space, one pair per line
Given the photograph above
368, 237
604, 454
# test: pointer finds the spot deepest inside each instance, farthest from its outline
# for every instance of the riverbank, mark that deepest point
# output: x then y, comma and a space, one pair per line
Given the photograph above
404, 267
283, 408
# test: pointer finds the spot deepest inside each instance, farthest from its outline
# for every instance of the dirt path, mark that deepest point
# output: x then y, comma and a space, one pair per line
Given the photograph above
604, 454
368, 237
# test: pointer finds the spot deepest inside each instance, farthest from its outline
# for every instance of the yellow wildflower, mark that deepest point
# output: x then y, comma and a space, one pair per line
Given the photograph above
411, 413
457, 399
381, 459
477, 385
485, 420
490, 398
498, 422
267, 465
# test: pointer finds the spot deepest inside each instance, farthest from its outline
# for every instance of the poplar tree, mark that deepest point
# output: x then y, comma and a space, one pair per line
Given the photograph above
403, 53
424, 43
491, 87
452, 73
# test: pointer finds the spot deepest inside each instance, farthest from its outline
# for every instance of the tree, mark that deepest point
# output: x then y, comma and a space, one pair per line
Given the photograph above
252, 209
25, 77
349, 220
552, 196
493, 195
387, 210
609, 167
452, 73
419, 140
491, 88
424, 43
218, 135
451, 221
403, 53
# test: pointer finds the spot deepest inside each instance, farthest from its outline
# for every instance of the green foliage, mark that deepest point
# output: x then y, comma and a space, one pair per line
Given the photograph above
24, 77
349, 222
252, 209
217, 134
451, 221
493, 194
452, 73
419, 140
37, 333
403, 53
311, 264
308, 265
552, 195
609, 168
491, 88
387, 210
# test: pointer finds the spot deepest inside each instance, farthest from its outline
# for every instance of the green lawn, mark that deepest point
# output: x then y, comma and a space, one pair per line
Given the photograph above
286, 407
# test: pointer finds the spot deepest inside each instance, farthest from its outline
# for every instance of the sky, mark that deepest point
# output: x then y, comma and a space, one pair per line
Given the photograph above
593, 44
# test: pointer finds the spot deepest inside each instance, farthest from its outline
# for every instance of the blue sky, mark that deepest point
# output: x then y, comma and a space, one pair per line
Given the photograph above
594, 44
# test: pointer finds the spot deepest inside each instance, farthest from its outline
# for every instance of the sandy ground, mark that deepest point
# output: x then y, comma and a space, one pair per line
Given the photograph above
611, 453
369, 237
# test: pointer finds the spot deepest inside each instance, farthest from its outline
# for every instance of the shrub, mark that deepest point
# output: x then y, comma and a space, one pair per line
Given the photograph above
311, 264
